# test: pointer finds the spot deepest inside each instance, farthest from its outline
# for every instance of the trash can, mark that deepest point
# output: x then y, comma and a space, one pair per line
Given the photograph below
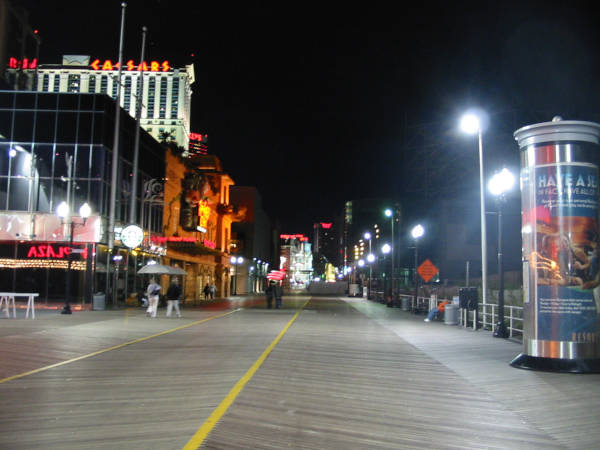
99, 302
405, 304
451, 314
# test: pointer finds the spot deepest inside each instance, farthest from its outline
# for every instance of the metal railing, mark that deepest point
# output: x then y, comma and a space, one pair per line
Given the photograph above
512, 314
487, 316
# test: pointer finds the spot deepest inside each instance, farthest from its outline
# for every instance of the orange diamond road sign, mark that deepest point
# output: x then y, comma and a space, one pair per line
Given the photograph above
427, 270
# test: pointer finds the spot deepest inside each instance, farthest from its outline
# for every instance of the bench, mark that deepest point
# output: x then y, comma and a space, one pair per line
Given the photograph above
8, 298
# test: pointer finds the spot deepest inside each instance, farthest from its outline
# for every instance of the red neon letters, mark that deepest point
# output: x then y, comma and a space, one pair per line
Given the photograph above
153, 66
48, 251
14, 63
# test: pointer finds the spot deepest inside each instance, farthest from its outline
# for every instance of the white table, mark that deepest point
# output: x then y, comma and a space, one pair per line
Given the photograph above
8, 298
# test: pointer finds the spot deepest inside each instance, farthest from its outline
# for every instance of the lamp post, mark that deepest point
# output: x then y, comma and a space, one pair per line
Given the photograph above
236, 261
389, 213
361, 264
385, 249
368, 236
498, 185
63, 212
471, 124
417, 232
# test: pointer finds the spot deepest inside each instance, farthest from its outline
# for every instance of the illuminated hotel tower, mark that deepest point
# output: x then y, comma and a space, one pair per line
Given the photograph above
166, 95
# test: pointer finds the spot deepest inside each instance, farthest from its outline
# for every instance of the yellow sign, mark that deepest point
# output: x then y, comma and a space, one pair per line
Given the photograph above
203, 213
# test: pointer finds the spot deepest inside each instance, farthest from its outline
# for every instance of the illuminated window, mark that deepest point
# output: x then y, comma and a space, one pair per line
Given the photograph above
162, 112
104, 84
92, 84
73, 83
127, 94
175, 98
151, 96
56, 85
45, 82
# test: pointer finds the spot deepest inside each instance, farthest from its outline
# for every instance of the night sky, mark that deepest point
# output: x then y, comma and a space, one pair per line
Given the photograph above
309, 102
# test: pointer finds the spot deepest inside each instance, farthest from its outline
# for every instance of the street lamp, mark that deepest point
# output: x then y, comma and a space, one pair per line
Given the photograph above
236, 261
63, 212
385, 249
471, 124
417, 232
500, 183
368, 236
389, 213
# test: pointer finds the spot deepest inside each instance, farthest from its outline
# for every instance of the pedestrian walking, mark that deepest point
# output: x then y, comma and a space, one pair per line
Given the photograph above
206, 291
152, 292
173, 297
213, 291
270, 293
278, 294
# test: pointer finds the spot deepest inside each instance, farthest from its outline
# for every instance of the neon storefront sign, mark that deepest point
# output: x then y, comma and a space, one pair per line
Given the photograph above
209, 244
130, 66
50, 251
174, 239
300, 237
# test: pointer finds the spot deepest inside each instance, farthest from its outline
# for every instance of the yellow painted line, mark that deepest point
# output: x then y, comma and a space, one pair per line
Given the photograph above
115, 347
220, 411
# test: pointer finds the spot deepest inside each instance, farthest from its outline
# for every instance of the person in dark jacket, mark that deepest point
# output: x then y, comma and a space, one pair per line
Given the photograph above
173, 297
277, 293
270, 294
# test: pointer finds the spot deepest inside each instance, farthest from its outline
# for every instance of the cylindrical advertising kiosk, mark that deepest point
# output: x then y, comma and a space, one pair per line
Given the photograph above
561, 246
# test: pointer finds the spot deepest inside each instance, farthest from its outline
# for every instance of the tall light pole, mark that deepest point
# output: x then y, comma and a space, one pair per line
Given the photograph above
499, 184
417, 232
63, 212
236, 261
367, 236
389, 213
385, 249
471, 124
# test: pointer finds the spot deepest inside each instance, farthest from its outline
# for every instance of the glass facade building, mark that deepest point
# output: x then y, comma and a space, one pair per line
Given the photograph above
57, 147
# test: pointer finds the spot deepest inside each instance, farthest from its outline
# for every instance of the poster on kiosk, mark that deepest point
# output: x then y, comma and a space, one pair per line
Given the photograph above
561, 245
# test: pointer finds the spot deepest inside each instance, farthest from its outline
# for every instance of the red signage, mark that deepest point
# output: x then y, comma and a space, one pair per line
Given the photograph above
153, 66
326, 226
174, 239
300, 237
25, 63
49, 251
205, 242
198, 144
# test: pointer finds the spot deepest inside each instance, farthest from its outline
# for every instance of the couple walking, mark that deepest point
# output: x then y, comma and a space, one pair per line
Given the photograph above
209, 291
274, 291
173, 297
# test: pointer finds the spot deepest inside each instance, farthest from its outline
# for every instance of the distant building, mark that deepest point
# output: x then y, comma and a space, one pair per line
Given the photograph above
326, 242
166, 91
296, 259
366, 215
251, 238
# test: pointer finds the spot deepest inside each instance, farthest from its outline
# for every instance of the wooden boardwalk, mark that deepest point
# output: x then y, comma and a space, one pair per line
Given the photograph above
346, 374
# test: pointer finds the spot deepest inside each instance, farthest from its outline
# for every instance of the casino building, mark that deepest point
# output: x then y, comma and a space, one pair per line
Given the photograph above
165, 91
